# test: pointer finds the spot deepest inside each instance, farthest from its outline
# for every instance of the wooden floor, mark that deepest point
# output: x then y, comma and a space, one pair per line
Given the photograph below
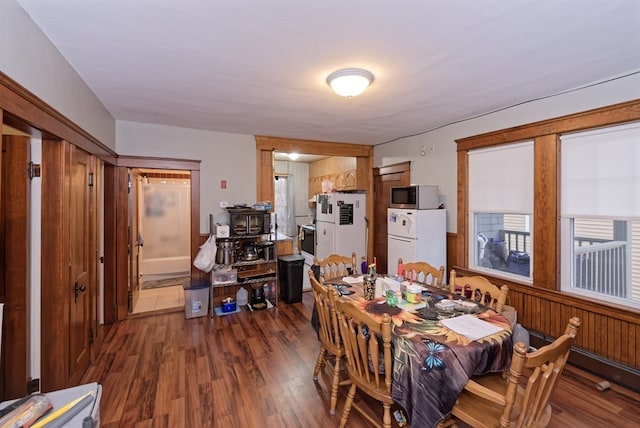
254, 369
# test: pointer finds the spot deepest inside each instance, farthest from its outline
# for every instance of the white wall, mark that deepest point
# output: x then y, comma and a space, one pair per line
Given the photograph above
230, 157
440, 167
28, 57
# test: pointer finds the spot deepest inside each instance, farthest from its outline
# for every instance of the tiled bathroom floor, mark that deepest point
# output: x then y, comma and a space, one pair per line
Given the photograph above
156, 299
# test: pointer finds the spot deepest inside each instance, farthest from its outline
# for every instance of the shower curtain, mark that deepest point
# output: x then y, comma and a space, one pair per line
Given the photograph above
165, 227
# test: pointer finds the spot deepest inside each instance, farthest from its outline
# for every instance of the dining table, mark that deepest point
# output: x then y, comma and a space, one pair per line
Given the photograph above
438, 343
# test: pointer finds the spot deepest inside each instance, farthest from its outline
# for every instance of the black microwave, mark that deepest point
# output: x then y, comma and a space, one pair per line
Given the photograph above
249, 222
415, 197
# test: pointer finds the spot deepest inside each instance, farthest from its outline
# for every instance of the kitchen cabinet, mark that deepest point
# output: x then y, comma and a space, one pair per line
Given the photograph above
254, 257
342, 171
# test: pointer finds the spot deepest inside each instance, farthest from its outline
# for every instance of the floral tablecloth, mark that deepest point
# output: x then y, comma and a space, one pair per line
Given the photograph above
432, 363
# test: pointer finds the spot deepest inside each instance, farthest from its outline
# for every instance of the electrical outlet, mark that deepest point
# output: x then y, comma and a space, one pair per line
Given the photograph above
224, 204
432, 148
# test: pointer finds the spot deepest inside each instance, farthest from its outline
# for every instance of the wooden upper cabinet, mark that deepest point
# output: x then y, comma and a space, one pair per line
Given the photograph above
341, 170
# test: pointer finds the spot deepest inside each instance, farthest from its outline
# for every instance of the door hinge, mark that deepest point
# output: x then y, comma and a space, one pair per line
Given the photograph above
33, 385
33, 170
91, 179
90, 336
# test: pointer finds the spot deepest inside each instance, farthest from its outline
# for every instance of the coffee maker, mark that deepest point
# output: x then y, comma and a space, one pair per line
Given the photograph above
258, 298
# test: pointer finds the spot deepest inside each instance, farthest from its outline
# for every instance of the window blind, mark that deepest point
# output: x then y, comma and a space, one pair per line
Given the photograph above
501, 179
600, 172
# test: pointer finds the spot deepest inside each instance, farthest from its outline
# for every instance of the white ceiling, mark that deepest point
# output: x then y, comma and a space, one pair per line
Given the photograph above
259, 67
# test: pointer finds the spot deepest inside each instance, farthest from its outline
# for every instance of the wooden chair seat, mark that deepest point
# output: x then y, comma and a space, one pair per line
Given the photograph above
423, 272
480, 290
492, 400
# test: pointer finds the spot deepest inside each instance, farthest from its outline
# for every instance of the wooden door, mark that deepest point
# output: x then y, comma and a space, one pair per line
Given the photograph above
383, 179
81, 281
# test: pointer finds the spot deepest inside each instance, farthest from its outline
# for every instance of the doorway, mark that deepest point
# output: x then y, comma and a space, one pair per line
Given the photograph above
160, 233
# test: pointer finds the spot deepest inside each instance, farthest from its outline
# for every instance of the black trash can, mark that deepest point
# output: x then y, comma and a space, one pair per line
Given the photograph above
290, 269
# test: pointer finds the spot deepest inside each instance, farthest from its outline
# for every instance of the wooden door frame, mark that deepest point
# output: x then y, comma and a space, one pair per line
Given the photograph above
15, 270
387, 170
120, 223
265, 146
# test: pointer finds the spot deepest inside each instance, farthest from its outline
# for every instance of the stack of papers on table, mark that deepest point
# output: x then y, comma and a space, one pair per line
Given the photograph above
352, 279
470, 326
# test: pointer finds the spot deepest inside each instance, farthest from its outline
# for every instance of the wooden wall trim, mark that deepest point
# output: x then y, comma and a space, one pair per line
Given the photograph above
603, 116
195, 218
158, 163
54, 269
110, 244
122, 243
18, 101
15, 269
462, 256
545, 212
312, 146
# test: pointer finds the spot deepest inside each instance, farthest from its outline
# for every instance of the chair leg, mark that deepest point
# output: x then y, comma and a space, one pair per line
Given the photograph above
334, 385
386, 417
319, 362
347, 405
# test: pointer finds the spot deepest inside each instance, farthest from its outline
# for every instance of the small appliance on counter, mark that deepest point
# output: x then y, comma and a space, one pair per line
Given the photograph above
247, 221
258, 299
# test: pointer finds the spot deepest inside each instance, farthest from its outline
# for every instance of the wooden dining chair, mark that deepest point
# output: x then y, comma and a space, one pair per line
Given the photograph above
492, 400
329, 335
479, 289
367, 344
423, 272
335, 266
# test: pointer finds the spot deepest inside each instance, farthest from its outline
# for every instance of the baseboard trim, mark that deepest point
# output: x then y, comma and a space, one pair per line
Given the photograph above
627, 377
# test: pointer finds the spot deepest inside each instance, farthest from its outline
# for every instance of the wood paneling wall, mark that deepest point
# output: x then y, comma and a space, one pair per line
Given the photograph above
608, 332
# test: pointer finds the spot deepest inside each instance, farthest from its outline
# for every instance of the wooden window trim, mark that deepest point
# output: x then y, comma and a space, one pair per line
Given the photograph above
546, 166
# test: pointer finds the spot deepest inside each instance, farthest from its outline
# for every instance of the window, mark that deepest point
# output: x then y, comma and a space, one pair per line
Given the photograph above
500, 210
600, 214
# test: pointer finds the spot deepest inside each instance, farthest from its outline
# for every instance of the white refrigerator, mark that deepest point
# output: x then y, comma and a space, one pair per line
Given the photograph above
416, 235
341, 226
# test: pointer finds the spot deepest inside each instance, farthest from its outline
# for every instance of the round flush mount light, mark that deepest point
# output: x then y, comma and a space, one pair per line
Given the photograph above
350, 82
293, 156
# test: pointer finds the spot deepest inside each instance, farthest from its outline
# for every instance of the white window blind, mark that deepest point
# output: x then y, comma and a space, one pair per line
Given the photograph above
501, 179
601, 172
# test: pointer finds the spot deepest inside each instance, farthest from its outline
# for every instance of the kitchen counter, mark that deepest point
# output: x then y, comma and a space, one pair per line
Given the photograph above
284, 245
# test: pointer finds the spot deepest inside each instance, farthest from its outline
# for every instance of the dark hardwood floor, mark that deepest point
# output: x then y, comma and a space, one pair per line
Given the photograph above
254, 369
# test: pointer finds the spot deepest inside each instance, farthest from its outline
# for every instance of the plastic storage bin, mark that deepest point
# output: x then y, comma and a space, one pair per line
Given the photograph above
290, 269
196, 298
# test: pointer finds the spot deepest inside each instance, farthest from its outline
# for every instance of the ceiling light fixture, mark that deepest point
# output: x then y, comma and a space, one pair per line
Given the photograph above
350, 82
293, 156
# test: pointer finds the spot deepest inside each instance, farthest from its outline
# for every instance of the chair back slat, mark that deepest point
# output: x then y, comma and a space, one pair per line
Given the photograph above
547, 364
423, 272
367, 347
335, 266
480, 289
324, 297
